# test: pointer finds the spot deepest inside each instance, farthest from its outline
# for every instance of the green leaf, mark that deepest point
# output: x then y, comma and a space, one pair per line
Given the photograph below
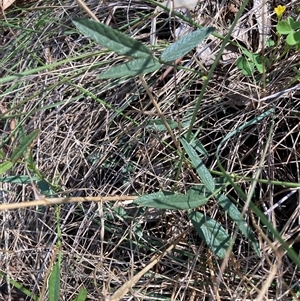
249, 54
18, 287
159, 125
23, 179
169, 200
21, 135
54, 283
283, 27
245, 66
258, 63
45, 189
294, 24
198, 190
132, 68
112, 39
81, 295
270, 43
18, 179
237, 217
201, 169
2, 154
186, 44
198, 146
5, 166
211, 232
22, 147
293, 38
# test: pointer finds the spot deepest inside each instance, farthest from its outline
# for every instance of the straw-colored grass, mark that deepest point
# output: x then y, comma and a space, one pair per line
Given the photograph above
95, 141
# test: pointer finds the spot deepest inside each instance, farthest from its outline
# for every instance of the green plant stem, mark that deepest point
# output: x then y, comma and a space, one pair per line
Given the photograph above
48, 67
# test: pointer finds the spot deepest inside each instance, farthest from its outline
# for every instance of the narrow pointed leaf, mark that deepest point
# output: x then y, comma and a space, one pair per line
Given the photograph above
81, 295
186, 44
112, 39
54, 283
2, 154
198, 146
160, 126
26, 141
237, 217
132, 68
168, 200
20, 179
5, 166
18, 287
201, 169
211, 232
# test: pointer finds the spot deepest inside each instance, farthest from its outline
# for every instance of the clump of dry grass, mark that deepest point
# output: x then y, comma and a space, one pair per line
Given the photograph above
95, 141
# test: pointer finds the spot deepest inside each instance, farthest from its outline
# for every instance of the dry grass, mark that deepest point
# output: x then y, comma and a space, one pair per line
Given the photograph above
95, 141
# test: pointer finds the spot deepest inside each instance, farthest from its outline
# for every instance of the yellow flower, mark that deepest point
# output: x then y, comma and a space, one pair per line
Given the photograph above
279, 10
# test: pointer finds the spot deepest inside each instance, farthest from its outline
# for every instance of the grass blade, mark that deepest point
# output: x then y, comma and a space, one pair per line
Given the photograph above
26, 141
5, 166
54, 283
81, 295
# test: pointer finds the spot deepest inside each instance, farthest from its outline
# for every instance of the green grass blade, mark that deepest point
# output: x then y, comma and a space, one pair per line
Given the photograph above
132, 68
186, 44
211, 232
81, 295
19, 151
237, 217
201, 169
46, 67
245, 125
168, 200
5, 166
112, 39
54, 283
22, 289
